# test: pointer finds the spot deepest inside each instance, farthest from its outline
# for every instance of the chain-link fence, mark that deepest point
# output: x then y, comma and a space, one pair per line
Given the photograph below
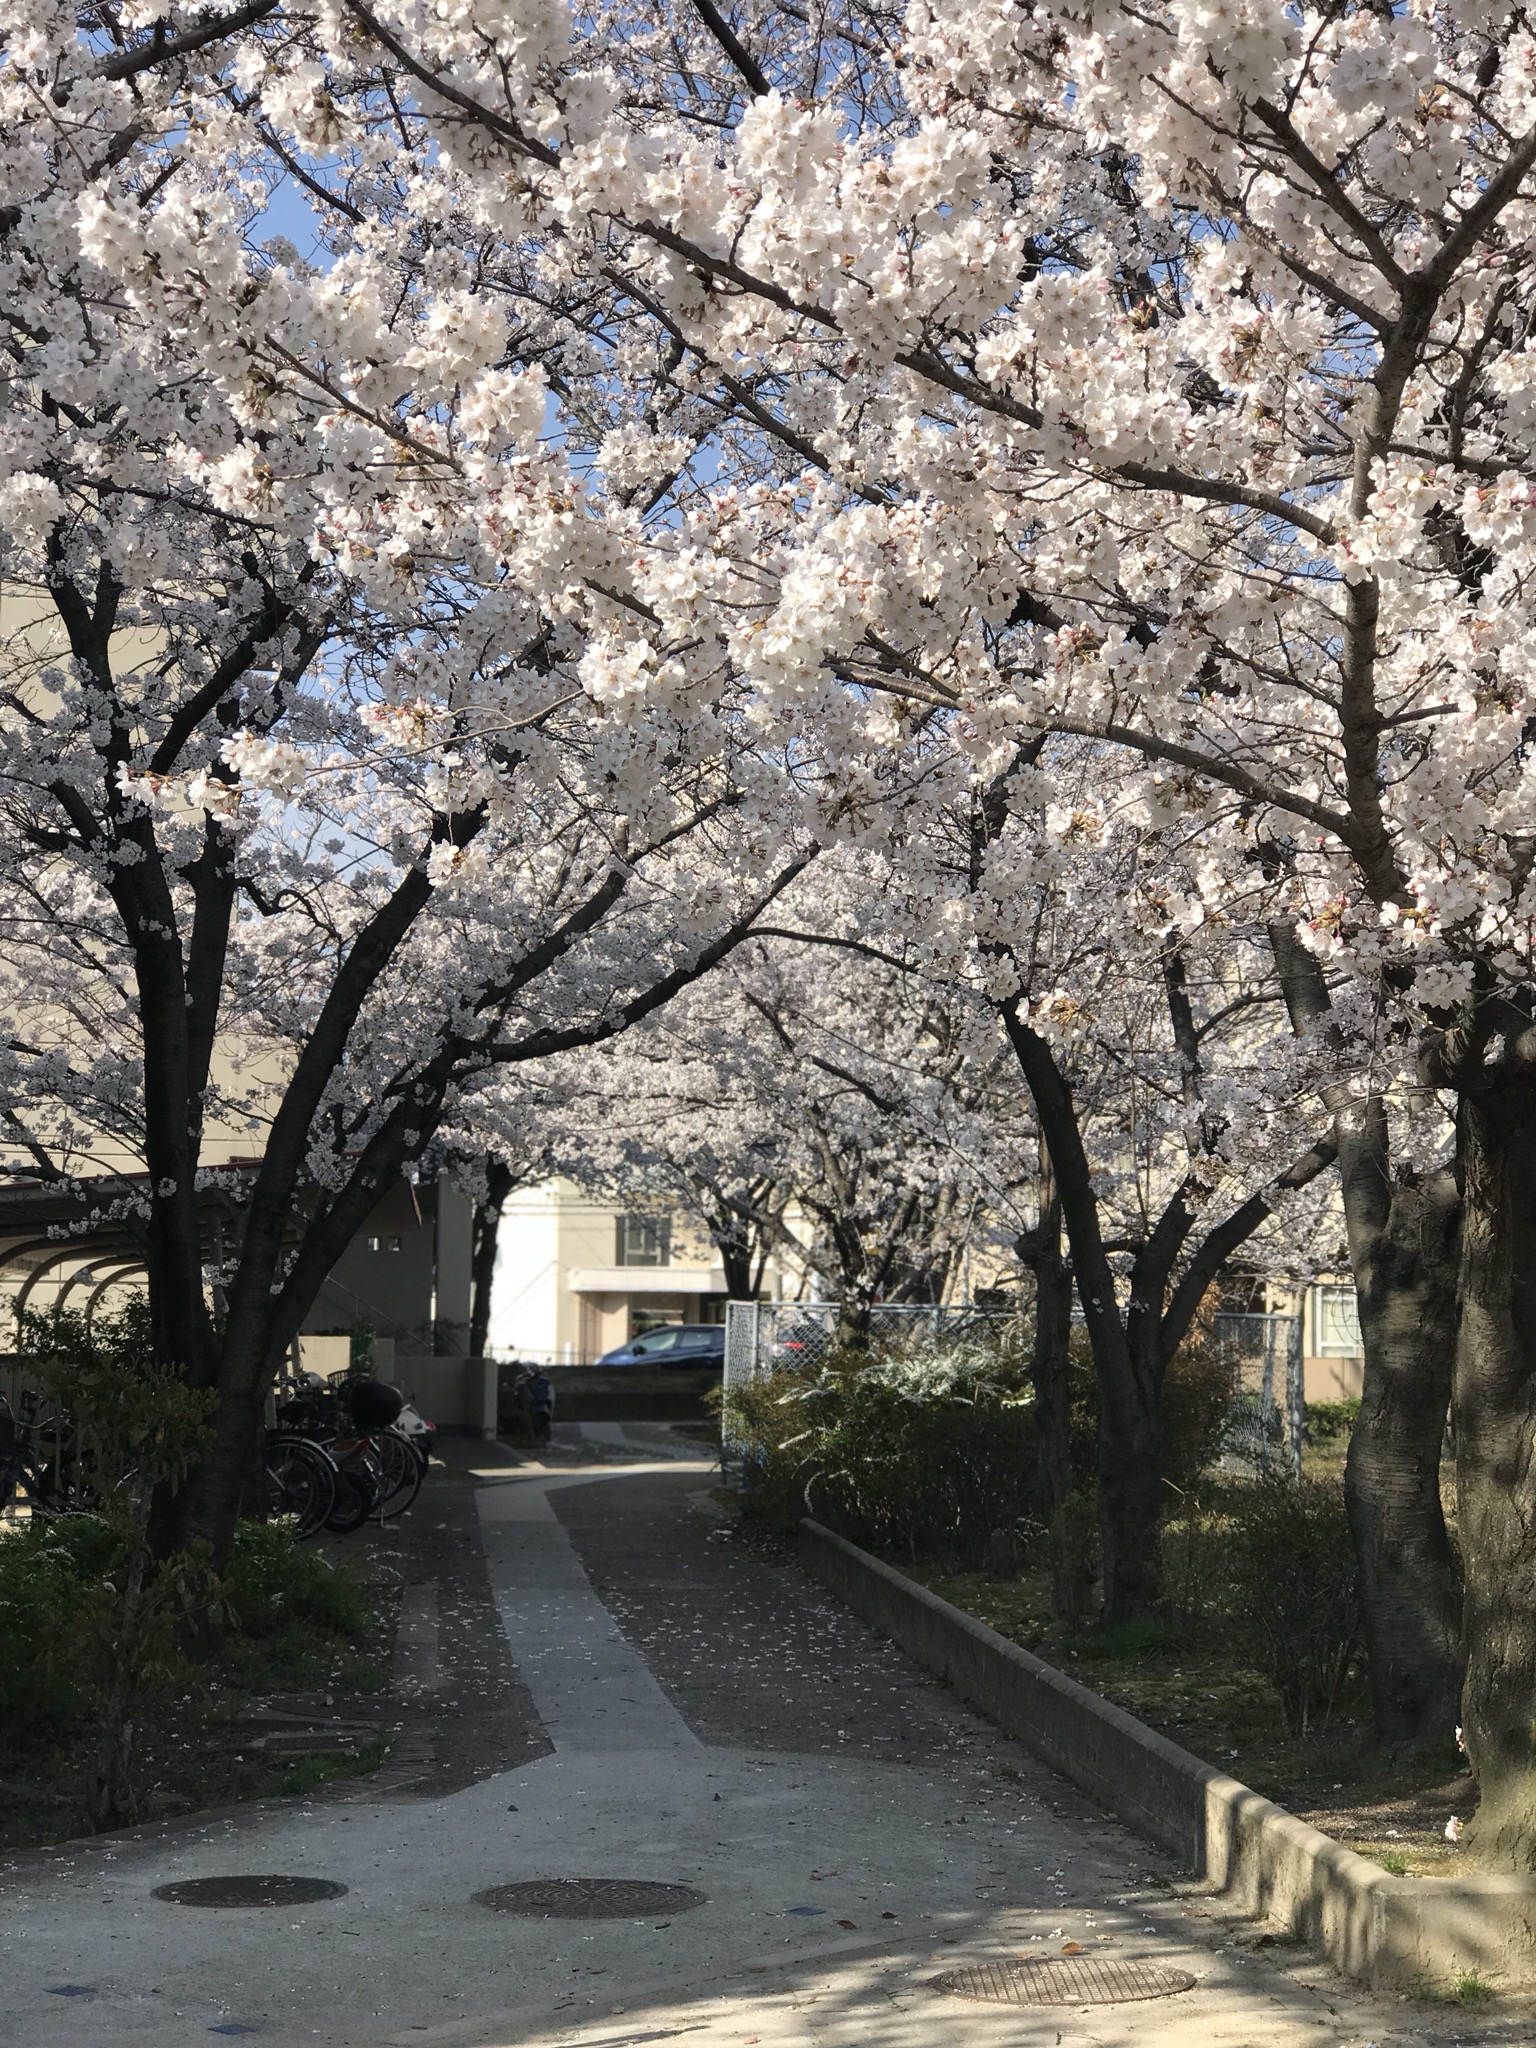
765, 1337
1263, 1357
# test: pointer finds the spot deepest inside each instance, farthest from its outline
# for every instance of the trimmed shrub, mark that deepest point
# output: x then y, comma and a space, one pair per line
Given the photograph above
57, 1600
285, 1613
274, 1586
135, 1428
912, 1449
918, 1452
1295, 1595
1329, 1420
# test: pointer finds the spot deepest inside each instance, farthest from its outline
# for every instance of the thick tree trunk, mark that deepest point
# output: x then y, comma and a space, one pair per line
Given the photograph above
1131, 1496
1404, 1252
1130, 1478
207, 1507
1409, 1583
1050, 1365
487, 1221
734, 1244
1050, 1372
1495, 1419
856, 1292
178, 1308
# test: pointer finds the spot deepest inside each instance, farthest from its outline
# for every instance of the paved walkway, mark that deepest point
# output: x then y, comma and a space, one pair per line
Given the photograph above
684, 1709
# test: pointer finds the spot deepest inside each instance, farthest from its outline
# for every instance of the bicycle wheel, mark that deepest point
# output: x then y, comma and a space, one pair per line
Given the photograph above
402, 1472
354, 1504
358, 1487
301, 1482
46, 1493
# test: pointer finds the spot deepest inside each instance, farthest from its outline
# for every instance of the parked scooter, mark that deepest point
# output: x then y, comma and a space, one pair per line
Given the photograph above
533, 1402
417, 1431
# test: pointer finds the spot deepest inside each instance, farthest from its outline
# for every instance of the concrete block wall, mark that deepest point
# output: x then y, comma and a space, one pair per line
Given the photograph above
446, 1390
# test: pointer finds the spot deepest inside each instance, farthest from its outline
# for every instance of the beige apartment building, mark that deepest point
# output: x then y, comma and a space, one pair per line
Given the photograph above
577, 1276
1333, 1361
1320, 1318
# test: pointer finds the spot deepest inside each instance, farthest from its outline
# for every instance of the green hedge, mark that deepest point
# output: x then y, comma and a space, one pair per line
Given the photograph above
280, 1603
897, 1452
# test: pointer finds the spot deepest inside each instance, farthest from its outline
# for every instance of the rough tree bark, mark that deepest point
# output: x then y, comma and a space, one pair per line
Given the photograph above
499, 1180
1410, 1584
1050, 1372
1130, 1462
1132, 1349
734, 1243
1404, 1248
1494, 1410
1050, 1363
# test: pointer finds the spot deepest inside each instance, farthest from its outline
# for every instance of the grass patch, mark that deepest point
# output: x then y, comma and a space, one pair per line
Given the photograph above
1470, 1989
1190, 1690
302, 1621
1188, 1680
295, 1624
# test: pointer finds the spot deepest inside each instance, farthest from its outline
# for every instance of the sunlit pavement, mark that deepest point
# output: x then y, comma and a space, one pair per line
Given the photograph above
716, 1723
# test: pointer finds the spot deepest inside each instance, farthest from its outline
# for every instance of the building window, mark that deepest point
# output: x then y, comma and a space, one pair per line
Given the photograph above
644, 1241
1335, 1322
386, 1244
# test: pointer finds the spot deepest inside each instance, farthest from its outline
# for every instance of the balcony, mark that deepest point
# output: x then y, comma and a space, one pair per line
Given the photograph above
647, 1280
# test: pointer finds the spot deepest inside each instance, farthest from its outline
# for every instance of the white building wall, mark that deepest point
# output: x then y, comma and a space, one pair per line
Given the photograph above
559, 1298
525, 1295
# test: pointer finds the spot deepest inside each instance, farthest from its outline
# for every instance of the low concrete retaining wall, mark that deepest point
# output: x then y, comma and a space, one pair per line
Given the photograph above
1390, 1931
473, 1396
446, 1390
630, 1393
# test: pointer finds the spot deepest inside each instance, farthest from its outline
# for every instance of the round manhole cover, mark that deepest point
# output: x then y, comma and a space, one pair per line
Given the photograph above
1071, 1980
249, 1891
589, 1898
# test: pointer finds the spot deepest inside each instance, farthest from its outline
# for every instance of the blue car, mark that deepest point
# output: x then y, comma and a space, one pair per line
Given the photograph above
689, 1346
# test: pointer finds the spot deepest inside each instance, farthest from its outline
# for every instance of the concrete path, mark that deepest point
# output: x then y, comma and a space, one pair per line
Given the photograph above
713, 1720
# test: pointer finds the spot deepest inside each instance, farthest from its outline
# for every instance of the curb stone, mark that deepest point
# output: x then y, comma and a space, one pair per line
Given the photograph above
1392, 1933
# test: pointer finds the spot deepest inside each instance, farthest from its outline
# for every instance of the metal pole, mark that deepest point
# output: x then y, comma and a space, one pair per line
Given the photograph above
743, 1323
1266, 1395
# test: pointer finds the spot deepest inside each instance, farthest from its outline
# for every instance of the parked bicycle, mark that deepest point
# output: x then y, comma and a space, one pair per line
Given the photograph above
38, 1464
533, 1402
338, 1455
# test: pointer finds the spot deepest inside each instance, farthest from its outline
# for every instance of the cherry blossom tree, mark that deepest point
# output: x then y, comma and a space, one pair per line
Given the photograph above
669, 1116
1402, 1212
1148, 1027
321, 798
1153, 374
857, 1122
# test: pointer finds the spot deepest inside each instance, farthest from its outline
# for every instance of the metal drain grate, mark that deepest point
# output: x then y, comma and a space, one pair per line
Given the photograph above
589, 1898
1086, 1980
250, 1891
